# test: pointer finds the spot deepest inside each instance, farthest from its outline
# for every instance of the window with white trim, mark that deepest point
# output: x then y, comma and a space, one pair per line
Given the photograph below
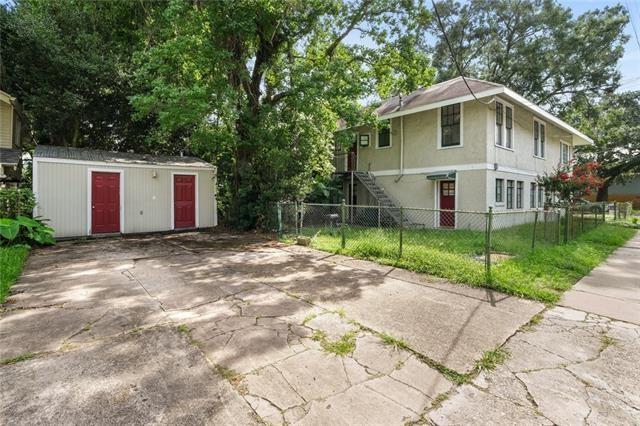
450, 132
504, 125
540, 196
499, 191
519, 193
565, 153
384, 136
539, 137
532, 195
510, 185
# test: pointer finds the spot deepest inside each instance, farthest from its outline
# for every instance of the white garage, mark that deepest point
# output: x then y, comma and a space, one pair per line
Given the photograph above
90, 192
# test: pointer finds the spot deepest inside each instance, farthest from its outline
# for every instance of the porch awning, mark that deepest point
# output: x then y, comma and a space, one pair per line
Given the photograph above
444, 175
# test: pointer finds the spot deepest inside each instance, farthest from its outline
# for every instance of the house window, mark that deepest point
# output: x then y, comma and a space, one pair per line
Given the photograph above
540, 196
499, 119
384, 136
499, 190
504, 125
364, 139
450, 126
565, 153
510, 194
519, 191
532, 196
539, 138
509, 126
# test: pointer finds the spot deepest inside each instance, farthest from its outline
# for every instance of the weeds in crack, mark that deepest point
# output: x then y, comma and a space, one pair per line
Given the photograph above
19, 358
535, 320
389, 340
438, 400
491, 359
233, 377
182, 328
345, 345
607, 341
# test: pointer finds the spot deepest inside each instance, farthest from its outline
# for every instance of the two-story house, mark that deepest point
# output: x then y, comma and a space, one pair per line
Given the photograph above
447, 148
11, 134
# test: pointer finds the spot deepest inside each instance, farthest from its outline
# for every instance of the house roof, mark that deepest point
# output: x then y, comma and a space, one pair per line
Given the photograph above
10, 157
94, 155
455, 90
447, 90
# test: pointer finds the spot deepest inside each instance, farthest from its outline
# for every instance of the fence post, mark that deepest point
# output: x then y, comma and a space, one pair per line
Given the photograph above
279, 213
401, 229
378, 214
582, 220
487, 244
343, 214
558, 227
604, 211
295, 214
535, 225
615, 210
567, 210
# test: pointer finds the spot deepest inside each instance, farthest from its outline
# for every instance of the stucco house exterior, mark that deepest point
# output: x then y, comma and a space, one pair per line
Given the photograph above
443, 148
11, 136
85, 192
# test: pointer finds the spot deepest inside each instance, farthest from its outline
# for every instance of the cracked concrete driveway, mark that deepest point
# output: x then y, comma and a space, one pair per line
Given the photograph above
223, 329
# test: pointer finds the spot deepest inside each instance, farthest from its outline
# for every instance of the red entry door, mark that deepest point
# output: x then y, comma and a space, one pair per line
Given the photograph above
184, 201
105, 202
447, 202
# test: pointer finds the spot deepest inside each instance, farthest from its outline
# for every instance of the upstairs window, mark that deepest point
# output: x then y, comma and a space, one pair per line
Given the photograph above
509, 126
499, 127
539, 138
519, 191
450, 134
499, 191
384, 136
510, 194
504, 125
565, 153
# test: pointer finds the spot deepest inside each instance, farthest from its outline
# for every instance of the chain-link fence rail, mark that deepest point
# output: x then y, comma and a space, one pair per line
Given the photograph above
622, 210
427, 236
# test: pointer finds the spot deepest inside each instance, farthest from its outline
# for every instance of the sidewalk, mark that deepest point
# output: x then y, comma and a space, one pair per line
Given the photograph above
576, 365
613, 288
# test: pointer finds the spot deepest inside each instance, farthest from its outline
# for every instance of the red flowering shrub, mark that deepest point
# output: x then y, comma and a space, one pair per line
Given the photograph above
570, 182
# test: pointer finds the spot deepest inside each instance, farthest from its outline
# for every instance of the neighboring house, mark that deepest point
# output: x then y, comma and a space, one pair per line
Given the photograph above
440, 148
11, 135
627, 192
89, 192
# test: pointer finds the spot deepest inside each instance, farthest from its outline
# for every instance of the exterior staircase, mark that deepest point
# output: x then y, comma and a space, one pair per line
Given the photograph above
393, 211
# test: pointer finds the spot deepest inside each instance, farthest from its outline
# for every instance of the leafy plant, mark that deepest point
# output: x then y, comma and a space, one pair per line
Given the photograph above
25, 230
16, 202
570, 182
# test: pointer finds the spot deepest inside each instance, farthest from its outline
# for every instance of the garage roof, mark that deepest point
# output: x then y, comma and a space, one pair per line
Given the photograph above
95, 155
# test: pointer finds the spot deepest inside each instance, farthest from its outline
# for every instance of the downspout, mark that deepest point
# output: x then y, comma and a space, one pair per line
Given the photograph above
401, 149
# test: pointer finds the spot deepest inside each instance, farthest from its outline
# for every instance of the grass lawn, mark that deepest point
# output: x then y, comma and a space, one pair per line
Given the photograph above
542, 274
11, 262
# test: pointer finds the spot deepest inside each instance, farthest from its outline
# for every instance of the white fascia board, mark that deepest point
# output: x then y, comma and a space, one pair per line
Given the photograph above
459, 99
117, 164
548, 117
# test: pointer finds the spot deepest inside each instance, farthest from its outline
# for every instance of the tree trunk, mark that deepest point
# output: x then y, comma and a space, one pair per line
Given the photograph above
603, 192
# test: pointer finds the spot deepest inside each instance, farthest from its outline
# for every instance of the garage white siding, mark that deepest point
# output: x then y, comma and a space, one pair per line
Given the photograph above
62, 191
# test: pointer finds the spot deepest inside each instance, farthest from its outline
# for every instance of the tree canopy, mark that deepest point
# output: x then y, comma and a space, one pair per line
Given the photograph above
613, 123
537, 48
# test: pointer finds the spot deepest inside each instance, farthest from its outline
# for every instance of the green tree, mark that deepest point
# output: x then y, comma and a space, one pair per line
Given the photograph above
537, 48
69, 63
258, 86
614, 124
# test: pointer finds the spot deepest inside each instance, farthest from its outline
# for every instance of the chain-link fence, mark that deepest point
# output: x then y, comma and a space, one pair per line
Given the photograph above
622, 210
396, 232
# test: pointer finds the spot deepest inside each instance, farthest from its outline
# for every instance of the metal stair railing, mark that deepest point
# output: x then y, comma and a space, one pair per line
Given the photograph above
384, 200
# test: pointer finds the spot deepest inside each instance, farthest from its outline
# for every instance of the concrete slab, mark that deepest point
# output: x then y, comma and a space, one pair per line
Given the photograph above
151, 377
613, 288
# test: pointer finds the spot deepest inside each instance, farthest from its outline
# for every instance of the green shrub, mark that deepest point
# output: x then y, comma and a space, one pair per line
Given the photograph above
24, 230
16, 202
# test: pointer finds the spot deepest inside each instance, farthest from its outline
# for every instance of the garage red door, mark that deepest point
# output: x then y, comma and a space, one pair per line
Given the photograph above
105, 202
184, 201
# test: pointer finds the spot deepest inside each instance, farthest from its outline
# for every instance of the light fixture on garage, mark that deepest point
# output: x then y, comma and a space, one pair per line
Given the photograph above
154, 174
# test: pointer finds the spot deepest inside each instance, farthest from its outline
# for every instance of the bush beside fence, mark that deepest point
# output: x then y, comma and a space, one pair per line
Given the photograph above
387, 232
